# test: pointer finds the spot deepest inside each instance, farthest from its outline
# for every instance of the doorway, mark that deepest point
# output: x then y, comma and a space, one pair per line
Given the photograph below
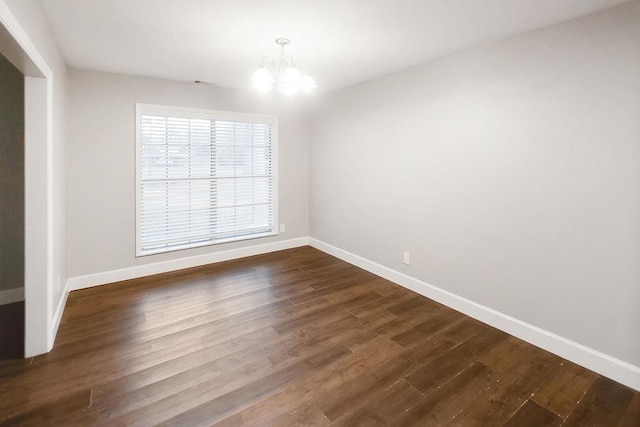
12, 214
37, 90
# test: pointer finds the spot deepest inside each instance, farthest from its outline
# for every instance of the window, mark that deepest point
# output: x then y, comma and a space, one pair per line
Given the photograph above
203, 177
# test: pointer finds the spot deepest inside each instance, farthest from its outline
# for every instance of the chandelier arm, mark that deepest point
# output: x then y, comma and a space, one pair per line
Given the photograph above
288, 62
269, 64
302, 67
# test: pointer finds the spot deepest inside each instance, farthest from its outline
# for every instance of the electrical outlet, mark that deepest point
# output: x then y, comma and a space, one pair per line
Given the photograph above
406, 258
282, 228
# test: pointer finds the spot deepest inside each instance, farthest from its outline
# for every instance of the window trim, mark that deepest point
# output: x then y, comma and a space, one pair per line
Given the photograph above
200, 113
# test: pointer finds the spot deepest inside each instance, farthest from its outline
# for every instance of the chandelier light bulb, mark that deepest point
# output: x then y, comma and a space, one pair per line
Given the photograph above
262, 80
289, 81
307, 84
291, 76
284, 74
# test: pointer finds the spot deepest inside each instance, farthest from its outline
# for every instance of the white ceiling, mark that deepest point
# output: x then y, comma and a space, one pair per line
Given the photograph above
342, 42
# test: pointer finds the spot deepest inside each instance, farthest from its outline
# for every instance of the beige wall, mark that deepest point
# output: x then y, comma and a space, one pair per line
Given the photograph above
101, 164
11, 176
510, 172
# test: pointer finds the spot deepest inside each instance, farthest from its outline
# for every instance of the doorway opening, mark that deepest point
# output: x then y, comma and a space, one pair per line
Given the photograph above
12, 231
37, 249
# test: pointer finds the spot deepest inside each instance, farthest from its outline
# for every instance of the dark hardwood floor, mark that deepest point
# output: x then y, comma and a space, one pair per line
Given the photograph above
291, 338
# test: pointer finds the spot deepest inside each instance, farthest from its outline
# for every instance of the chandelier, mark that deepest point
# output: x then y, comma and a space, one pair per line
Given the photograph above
289, 77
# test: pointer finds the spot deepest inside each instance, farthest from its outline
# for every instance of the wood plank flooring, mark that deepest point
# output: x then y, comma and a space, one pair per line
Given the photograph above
293, 338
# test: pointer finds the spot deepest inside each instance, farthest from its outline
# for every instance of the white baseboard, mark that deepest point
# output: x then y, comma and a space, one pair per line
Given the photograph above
57, 317
618, 370
11, 295
89, 280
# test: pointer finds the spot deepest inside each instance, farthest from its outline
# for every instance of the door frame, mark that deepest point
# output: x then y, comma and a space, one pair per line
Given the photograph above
17, 47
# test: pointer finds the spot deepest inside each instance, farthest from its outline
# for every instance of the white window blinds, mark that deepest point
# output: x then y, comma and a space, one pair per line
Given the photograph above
203, 177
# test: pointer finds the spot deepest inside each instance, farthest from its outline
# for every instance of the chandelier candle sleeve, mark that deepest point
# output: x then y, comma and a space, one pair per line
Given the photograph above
289, 77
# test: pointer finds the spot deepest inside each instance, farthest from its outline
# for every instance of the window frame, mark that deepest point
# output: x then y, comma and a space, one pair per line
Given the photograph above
206, 114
